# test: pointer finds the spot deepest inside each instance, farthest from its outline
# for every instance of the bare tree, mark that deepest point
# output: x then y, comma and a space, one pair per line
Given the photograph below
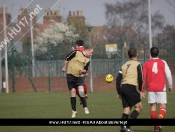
132, 15
172, 3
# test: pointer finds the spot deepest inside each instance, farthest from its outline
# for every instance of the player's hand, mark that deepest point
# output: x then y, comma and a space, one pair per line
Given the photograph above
143, 94
72, 49
63, 69
119, 96
170, 90
82, 71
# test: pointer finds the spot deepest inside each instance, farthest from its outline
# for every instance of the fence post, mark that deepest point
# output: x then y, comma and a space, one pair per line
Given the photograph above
122, 50
12, 65
57, 61
48, 44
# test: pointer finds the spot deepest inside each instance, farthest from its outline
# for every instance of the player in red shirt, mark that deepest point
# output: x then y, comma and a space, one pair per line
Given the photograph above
79, 46
155, 73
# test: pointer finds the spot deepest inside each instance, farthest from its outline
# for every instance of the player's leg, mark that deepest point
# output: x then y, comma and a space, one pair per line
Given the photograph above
83, 100
162, 100
82, 95
133, 99
136, 102
85, 88
153, 105
71, 86
77, 93
125, 115
73, 102
126, 107
162, 113
85, 91
153, 113
137, 111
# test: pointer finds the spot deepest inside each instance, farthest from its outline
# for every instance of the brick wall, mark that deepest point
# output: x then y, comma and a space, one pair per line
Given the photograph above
57, 84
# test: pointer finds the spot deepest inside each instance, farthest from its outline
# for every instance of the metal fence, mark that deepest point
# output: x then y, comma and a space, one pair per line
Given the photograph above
20, 64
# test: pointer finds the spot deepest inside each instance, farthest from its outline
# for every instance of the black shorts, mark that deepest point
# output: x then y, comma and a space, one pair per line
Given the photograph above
74, 82
130, 95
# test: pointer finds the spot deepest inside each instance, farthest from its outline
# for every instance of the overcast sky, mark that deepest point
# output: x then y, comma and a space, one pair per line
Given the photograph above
93, 9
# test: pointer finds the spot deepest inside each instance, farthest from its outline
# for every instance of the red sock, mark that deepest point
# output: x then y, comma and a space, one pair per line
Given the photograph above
162, 113
153, 116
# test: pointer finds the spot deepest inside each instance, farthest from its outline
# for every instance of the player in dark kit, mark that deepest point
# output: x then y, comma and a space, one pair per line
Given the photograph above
78, 62
79, 47
129, 77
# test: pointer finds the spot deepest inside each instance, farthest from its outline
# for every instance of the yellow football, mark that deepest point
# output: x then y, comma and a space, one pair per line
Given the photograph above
109, 78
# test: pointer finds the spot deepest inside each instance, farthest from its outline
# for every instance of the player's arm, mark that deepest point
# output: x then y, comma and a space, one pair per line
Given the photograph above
144, 85
140, 77
118, 81
67, 59
169, 77
140, 81
65, 66
85, 69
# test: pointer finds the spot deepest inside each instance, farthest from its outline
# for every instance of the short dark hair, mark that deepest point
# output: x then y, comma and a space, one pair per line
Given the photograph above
132, 52
79, 42
88, 48
154, 52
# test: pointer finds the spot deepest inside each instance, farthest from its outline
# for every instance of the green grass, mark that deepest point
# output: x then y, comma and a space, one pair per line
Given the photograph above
57, 105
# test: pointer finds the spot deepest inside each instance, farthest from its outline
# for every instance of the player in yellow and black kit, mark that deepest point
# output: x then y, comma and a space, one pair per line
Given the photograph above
78, 62
127, 81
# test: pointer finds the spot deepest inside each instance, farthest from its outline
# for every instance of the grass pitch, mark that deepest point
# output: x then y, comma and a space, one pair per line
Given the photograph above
57, 105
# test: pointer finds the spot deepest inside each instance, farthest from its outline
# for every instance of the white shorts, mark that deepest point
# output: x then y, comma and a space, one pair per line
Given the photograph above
157, 97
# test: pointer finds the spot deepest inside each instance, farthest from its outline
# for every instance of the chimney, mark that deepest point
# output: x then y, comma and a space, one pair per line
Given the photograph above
58, 13
81, 13
48, 12
52, 15
73, 13
45, 12
78, 13
69, 13
8, 15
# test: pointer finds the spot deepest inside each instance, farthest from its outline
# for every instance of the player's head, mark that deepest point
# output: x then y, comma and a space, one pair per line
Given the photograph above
88, 51
132, 53
79, 42
154, 52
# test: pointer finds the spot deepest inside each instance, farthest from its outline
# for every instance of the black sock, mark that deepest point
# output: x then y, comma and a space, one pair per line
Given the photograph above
73, 103
134, 114
83, 100
124, 116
